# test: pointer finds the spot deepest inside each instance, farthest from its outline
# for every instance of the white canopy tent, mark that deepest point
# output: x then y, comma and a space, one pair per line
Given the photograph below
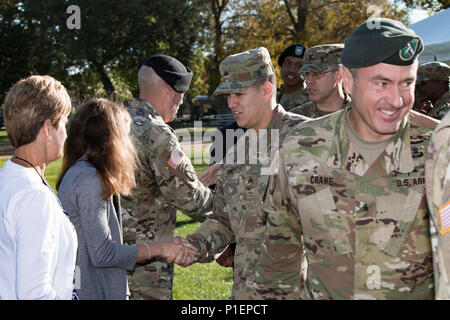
435, 32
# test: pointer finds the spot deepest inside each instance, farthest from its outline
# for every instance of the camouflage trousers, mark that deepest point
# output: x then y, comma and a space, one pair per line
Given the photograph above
151, 280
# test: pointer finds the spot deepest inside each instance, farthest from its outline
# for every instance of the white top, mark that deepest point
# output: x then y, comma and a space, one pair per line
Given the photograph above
38, 243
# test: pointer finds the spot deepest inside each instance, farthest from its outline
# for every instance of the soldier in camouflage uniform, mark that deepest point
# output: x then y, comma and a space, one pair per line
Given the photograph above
432, 89
437, 175
322, 72
293, 92
351, 186
166, 179
249, 81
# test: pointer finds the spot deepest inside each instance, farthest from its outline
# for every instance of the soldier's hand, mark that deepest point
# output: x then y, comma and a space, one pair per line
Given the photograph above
209, 176
185, 255
185, 259
226, 258
180, 240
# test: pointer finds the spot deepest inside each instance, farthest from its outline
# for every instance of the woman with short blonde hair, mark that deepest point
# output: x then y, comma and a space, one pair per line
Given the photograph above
38, 243
29, 103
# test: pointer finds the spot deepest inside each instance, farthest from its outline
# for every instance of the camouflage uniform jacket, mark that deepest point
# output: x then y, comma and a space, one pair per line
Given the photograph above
365, 230
310, 110
441, 107
293, 100
437, 170
166, 180
237, 207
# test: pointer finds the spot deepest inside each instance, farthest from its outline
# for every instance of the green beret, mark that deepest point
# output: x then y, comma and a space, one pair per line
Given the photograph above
381, 40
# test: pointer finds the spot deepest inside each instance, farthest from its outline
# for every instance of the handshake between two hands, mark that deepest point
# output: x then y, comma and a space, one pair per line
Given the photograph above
180, 251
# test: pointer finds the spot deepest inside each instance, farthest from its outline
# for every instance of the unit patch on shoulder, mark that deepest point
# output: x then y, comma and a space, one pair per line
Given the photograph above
444, 217
175, 159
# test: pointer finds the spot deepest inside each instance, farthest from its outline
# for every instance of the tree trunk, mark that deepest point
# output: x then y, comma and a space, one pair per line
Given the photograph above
217, 9
299, 21
106, 81
302, 14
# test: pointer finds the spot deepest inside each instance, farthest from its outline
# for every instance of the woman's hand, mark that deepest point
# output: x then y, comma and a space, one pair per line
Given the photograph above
186, 254
178, 251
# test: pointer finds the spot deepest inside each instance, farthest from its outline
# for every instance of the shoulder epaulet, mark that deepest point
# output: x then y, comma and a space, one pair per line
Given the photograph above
300, 109
422, 120
295, 117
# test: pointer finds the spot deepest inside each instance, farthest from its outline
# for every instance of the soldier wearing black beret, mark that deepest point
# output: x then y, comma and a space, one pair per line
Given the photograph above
293, 91
166, 180
172, 71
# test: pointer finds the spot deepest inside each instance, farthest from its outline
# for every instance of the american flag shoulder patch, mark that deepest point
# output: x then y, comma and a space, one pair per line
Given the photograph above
175, 159
444, 216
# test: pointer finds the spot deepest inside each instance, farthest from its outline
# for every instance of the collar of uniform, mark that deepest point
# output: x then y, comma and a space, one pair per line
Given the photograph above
396, 157
145, 105
318, 113
277, 116
280, 92
263, 154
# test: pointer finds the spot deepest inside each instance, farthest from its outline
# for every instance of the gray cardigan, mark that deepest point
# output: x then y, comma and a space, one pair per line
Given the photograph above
102, 258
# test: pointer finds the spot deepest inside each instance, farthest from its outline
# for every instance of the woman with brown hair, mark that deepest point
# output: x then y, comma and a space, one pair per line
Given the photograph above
38, 243
99, 165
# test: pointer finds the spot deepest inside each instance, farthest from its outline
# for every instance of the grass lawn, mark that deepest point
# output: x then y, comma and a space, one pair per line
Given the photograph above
201, 281
197, 282
3, 135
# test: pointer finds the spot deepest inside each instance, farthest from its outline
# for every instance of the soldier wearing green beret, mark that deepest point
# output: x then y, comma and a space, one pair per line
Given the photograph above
248, 80
350, 192
322, 72
166, 179
437, 175
432, 89
293, 91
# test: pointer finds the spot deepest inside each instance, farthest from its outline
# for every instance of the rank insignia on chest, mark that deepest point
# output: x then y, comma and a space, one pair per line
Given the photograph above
175, 159
444, 217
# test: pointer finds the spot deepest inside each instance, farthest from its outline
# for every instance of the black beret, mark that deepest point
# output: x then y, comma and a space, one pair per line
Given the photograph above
381, 40
295, 50
172, 71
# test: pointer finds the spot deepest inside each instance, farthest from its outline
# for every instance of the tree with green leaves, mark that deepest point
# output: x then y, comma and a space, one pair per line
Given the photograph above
278, 24
28, 42
215, 14
105, 54
433, 5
